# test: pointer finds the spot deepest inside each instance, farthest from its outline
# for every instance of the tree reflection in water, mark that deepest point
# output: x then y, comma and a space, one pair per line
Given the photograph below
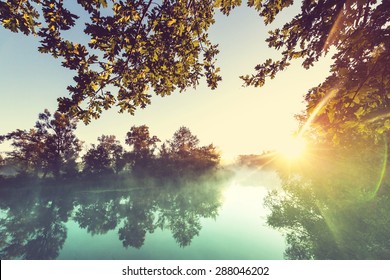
32, 224
335, 206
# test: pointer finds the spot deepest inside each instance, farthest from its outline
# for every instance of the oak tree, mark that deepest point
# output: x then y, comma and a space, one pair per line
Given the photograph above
134, 46
355, 98
145, 46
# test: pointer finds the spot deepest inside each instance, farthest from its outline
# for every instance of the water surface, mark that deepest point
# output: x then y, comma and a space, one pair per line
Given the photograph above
217, 217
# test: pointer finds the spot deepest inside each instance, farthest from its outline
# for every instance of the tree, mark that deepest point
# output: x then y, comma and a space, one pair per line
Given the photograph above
96, 161
183, 143
355, 98
332, 220
61, 144
183, 152
50, 147
28, 152
105, 158
115, 152
142, 144
334, 204
133, 45
207, 157
142, 46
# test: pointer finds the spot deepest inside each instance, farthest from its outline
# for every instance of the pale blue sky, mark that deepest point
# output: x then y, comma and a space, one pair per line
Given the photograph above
238, 120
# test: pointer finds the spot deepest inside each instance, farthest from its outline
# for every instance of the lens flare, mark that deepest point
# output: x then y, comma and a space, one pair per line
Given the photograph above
293, 148
383, 169
320, 106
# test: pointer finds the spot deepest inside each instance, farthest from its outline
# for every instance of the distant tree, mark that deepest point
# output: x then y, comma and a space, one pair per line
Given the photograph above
97, 161
2, 161
266, 159
142, 146
2, 164
207, 157
115, 151
28, 153
144, 46
50, 147
61, 144
164, 151
105, 158
183, 153
183, 143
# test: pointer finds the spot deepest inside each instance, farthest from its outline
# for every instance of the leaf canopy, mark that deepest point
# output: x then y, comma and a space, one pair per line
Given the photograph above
142, 47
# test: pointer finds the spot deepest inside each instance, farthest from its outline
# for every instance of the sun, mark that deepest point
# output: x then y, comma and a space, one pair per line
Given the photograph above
292, 148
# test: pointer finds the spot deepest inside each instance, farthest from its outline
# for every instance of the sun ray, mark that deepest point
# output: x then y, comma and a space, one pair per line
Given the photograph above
383, 169
316, 110
293, 148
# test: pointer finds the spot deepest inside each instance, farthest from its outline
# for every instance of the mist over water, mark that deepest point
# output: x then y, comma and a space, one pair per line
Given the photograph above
214, 216
228, 213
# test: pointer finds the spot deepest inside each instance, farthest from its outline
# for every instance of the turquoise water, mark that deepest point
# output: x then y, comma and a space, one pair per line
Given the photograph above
219, 217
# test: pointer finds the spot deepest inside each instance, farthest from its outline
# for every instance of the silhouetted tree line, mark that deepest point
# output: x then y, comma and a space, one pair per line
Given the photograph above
265, 160
51, 149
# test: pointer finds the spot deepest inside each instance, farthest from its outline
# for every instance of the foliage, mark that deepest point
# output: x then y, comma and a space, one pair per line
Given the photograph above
183, 142
335, 206
142, 46
134, 46
28, 150
61, 144
264, 160
182, 154
142, 146
97, 161
106, 157
50, 147
354, 99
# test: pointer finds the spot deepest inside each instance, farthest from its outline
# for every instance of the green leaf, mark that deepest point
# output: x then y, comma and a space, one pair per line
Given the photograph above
359, 112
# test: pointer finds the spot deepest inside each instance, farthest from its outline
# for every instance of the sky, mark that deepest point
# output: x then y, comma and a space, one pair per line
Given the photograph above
236, 119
